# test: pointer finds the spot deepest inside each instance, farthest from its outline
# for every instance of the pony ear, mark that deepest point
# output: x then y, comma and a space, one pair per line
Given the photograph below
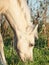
35, 31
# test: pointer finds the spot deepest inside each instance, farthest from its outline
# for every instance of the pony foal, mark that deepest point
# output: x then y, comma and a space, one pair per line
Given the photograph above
18, 15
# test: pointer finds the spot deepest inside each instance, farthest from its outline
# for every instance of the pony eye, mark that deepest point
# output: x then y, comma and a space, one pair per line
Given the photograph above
30, 45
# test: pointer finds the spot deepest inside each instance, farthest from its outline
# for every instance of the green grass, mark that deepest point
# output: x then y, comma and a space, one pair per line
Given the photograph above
41, 53
41, 57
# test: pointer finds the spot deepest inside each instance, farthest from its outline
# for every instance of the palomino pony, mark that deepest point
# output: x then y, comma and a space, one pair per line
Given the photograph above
18, 15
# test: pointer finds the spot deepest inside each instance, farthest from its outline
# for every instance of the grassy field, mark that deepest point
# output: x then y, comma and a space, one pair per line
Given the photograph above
41, 57
41, 52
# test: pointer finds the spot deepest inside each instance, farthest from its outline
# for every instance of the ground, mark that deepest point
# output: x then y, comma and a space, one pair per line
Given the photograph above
41, 51
41, 57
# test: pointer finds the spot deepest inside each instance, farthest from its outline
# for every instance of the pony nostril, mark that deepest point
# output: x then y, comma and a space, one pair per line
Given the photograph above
31, 44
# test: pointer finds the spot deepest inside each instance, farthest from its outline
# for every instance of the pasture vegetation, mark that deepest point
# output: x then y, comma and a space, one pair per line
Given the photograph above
41, 52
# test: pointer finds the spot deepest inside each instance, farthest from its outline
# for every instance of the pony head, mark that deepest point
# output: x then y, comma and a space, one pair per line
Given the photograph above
26, 44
